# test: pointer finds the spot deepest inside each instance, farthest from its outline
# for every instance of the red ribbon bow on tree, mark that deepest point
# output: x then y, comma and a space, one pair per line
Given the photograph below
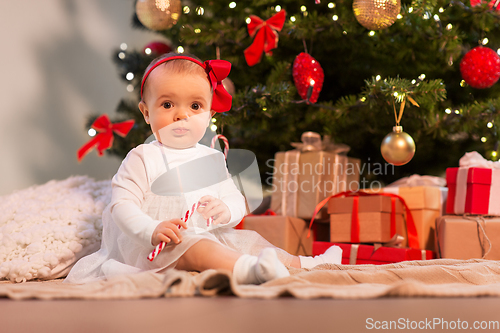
104, 138
266, 38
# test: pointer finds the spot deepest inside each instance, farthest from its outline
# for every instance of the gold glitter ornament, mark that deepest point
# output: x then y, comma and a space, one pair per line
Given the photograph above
158, 14
397, 147
376, 14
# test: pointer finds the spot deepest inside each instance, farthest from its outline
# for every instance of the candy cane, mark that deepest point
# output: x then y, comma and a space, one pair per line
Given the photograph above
224, 139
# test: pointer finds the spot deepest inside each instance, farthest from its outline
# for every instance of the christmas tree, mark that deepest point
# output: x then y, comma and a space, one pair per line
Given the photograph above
409, 59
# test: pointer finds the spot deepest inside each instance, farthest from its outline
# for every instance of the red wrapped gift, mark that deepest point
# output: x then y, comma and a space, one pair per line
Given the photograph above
473, 191
353, 254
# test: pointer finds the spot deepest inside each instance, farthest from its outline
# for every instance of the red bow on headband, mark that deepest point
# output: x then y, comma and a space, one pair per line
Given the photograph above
217, 71
104, 138
266, 38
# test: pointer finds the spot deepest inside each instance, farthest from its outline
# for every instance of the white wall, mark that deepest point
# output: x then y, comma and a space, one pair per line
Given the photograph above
56, 69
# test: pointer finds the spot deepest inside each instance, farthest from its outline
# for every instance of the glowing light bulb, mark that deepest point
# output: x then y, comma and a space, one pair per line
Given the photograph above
130, 87
292, 18
180, 49
277, 8
232, 5
448, 111
123, 46
484, 139
186, 9
331, 5
489, 124
92, 132
121, 55
335, 17
213, 127
129, 76
378, 77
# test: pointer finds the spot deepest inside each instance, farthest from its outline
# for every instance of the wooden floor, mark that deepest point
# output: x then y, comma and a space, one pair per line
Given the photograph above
232, 314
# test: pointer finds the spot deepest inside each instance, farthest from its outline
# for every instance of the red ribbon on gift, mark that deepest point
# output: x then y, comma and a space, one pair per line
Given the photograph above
410, 224
266, 36
268, 212
104, 138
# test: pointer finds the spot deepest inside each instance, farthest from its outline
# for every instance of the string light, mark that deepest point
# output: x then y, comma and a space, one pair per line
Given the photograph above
197, 30
449, 26
371, 33
232, 5
200, 10
441, 10
248, 20
292, 18
213, 127
123, 46
399, 16
335, 17
121, 55
410, 10
485, 41
484, 139
494, 154
462, 83
214, 120
422, 76
92, 132
130, 87
129, 76
489, 124
186, 9
378, 77
344, 32
331, 5
457, 111
448, 111
436, 17
277, 8
363, 99
180, 49
413, 81
303, 8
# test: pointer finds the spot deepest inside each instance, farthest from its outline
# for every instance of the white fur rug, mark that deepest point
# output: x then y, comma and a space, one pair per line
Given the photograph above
45, 229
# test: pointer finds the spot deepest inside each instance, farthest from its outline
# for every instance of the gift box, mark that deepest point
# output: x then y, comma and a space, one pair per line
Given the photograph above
305, 176
379, 219
473, 191
426, 203
353, 254
468, 237
285, 232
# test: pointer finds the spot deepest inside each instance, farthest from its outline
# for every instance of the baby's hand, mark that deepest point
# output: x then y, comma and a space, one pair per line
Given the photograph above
168, 231
215, 208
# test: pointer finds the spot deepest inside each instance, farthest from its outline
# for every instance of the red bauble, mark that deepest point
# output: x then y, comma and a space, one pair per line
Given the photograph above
157, 48
477, 2
308, 76
480, 67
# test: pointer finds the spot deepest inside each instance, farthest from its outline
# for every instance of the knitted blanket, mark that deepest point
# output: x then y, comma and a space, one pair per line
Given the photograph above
45, 229
435, 278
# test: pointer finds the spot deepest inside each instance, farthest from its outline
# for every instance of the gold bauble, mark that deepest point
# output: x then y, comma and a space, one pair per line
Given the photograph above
229, 86
158, 14
398, 147
376, 14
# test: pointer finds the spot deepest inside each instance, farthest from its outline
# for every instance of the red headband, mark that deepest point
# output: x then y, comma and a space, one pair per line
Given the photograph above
217, 70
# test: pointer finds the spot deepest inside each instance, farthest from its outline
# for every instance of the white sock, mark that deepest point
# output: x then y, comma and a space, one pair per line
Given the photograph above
333, 255
256, 270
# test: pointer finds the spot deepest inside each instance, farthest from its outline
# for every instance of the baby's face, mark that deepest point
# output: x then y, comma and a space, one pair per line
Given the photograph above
177, 105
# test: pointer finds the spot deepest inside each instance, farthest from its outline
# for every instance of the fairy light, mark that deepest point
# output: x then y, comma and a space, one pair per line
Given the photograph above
248, 20
92, 132
335, 17
362, 99
292, 18
130, 87
264, 109
498, 51
213, 127
121, 55
377, 78
399, 16
457, 111
485, 41
494, 154
331, 5
489, 124
413, 81
197, 30
123, 46
180, 49
277, 8
449, 26
186, 9
448, 111
410, 10
200, 10
344, 32
421, 76
441, 10
462, 83
232, 5
436, 17
303, 8
214, 120
371, 33
129, 76
484, 139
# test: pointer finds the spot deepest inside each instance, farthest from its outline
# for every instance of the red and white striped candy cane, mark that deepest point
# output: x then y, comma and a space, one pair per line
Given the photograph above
226, 143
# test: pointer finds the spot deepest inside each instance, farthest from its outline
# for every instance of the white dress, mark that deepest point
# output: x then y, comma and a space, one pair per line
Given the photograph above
135, 211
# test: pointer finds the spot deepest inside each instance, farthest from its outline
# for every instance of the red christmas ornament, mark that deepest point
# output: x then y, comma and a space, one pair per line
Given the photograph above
480, 67
308, 77
494, 4
157, 48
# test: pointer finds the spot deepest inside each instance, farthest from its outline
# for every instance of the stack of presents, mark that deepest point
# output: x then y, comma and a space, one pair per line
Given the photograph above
316, 203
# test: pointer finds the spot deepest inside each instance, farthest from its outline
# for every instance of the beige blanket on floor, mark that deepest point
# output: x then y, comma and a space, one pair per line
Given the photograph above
438, 278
